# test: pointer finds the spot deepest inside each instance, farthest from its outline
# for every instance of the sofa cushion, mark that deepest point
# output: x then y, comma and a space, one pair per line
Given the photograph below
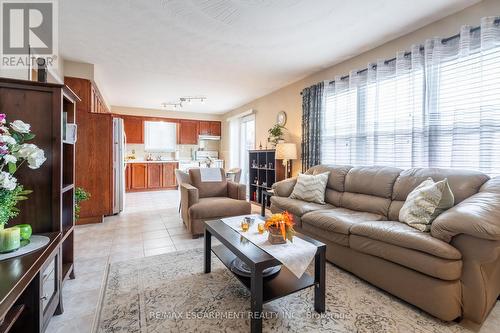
463, 183
336, 179
207, 208
297, 207
208, 189
431, 265
400, 234
374, 180
329, 236
338, 220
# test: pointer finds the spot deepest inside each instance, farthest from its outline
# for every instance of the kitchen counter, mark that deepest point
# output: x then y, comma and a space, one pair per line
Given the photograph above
154, 161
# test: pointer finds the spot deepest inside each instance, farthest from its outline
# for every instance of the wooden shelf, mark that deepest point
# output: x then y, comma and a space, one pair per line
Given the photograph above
276, 286
67, 187
67, 142
66, 233
11, 317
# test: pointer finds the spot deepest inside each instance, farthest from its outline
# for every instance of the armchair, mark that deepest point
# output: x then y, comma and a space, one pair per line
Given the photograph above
210, 200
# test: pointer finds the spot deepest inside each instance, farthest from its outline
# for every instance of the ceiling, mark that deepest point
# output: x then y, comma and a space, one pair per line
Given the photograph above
230, 51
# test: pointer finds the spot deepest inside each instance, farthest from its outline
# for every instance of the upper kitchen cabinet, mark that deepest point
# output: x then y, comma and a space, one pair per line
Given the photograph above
205, 127
215, 128
134, 129
188, 132
212, 128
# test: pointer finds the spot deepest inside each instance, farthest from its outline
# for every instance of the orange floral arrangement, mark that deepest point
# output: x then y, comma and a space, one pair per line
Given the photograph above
281, 223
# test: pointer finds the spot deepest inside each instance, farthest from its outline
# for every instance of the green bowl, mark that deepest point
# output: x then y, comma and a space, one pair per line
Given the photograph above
25, 231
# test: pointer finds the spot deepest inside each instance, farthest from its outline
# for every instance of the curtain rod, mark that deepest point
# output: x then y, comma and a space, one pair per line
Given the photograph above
444, 41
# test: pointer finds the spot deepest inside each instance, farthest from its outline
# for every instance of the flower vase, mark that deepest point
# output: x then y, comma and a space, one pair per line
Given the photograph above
274, 236
10, 239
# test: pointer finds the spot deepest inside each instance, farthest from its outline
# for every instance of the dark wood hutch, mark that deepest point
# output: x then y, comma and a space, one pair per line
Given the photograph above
31, 285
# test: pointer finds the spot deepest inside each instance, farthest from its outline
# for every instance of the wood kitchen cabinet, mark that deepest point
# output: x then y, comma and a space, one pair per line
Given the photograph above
150, 176
168, 175
134, 129
139, 177
215, 128
128, 177
188, 132
210, 128
205, 127
154, 175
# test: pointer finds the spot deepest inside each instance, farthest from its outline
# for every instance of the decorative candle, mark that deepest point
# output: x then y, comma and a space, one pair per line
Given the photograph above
10, 239
260, 228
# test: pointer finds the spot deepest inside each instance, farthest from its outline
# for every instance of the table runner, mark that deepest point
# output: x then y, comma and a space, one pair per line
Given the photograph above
295, 256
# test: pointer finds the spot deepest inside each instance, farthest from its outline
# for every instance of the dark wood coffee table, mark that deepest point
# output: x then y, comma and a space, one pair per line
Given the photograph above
263, 290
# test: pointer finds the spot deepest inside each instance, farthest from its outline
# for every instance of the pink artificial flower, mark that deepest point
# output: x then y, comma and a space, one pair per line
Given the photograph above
2, 118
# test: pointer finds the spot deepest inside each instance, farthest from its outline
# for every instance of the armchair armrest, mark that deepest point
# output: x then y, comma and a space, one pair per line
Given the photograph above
236, 191
477, 216
285, 187
189, 196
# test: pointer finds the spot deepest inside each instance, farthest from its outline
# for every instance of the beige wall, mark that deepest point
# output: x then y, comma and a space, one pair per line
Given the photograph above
288, 98
164, 113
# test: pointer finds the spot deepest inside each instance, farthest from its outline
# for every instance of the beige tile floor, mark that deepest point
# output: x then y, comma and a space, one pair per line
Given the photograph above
149, 225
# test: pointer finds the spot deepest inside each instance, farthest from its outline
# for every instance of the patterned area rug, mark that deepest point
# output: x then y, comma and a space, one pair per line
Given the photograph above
170, 293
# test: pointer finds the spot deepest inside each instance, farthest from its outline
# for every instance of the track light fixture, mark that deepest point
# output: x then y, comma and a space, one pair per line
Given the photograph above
182, 100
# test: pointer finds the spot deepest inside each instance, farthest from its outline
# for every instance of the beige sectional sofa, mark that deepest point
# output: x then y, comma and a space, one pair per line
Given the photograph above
453, 272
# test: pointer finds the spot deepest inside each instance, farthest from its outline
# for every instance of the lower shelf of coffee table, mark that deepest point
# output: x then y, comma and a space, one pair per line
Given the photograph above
282, 284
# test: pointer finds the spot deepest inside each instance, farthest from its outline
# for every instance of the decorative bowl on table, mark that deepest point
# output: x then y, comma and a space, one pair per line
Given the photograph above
280, 227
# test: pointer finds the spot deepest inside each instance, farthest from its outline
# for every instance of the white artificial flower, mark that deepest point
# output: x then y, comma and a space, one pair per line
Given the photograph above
7, 181
7, 139
34, 155
20, 126
10, 159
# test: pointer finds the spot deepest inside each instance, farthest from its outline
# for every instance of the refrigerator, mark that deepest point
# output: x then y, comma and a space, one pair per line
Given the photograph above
118, 165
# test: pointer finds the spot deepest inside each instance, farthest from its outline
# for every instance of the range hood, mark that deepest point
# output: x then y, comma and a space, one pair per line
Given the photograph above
209, 137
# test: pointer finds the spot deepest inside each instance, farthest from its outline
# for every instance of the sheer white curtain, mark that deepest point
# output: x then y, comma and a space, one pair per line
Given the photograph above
435, 106
241, 139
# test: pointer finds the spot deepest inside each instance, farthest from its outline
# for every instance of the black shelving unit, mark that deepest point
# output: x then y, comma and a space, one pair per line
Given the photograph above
265, 170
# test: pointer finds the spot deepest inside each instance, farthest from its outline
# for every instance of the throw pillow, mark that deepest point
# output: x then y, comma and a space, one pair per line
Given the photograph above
425, 203
311, 188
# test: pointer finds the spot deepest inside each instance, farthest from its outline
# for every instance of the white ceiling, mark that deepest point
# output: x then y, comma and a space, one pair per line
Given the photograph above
231, 51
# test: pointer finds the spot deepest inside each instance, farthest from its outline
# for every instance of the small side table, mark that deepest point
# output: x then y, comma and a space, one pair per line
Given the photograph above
265, 197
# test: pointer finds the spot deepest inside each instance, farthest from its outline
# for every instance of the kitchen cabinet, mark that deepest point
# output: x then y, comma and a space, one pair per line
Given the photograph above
139, 179
188, 132
97, 104
93, 152
215, 128
210, 128
128, 177
205, 127
150, 176
168, 175
154, 175
134, 129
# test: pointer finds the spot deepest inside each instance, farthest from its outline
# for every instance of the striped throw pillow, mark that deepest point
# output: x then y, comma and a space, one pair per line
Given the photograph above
425, 203
311, 188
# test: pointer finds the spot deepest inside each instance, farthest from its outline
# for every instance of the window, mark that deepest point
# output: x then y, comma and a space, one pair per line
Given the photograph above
442, 114
159, 136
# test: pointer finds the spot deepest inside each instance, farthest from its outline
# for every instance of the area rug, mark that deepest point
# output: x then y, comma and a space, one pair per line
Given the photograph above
170, 293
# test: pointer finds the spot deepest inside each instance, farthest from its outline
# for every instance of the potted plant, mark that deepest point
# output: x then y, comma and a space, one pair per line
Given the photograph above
280, 228
14, 153
80, 195
276, 134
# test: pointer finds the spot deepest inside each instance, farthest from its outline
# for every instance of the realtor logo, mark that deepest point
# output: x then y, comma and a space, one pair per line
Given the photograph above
28, 31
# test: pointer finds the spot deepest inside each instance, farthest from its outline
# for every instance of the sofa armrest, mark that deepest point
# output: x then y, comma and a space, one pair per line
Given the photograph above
477, 216
285, 187
236, 191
